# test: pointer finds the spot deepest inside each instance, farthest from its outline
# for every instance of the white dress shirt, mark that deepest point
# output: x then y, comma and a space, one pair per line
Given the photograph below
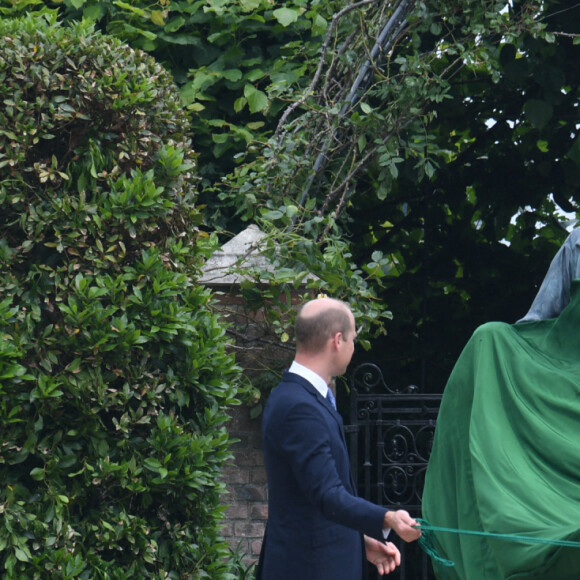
314, 379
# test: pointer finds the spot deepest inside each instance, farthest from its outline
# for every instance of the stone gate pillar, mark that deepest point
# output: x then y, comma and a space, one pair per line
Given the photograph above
259, 352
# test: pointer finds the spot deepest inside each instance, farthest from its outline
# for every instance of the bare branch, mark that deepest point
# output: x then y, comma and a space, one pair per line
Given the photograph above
321, 63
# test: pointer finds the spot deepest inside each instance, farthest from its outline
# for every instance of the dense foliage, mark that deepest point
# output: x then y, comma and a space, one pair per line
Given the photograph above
114, 371
238, 65
234, 60
472, 243
416, 156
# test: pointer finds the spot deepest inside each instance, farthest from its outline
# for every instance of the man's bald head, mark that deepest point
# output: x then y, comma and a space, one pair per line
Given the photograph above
318, 321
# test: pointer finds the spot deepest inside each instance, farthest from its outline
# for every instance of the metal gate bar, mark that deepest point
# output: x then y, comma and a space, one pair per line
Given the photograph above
390, 439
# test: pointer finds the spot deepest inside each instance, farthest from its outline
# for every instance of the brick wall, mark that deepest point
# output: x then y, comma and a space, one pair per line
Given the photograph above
245, 479
257, 350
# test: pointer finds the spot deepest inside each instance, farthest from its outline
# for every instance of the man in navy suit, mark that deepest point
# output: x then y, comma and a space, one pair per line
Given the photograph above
318, 529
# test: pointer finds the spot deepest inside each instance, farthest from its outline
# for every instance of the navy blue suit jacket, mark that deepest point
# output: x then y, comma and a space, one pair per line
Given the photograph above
315, 519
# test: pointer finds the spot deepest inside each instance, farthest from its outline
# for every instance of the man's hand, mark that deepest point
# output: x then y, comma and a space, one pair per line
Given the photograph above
402, 523
385, 556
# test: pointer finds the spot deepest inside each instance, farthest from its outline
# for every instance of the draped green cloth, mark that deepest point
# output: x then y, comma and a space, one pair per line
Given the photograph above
506, 454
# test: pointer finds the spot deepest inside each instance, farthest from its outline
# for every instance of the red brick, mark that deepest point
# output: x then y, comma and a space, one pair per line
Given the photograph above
249, 530
259, 512
246, 458
249, 561
258, 475
256, 547
244, 477
237, 512
233, 475
242, 443
251, 493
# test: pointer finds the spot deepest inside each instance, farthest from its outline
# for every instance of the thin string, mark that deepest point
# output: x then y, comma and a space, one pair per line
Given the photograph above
427, 543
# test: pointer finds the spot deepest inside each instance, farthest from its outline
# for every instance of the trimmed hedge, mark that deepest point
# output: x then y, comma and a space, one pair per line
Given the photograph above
114, 374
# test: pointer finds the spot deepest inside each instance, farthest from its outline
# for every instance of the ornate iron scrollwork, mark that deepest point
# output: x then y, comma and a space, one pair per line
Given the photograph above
390, 434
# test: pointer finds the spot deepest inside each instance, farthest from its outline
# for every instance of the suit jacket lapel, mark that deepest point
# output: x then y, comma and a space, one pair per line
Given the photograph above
292, 377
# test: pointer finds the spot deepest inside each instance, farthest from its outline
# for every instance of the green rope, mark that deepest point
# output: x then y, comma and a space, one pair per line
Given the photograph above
427, 543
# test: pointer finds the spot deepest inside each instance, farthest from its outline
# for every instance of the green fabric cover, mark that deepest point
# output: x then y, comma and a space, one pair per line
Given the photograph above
506, 454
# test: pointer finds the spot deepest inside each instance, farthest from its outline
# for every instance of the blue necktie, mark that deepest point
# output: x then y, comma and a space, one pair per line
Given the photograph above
330, 398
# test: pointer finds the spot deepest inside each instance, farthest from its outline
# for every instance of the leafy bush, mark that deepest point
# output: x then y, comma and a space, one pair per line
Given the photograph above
237, 63
114, 374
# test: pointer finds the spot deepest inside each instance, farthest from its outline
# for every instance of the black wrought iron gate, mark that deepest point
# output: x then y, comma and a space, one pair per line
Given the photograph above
390, 436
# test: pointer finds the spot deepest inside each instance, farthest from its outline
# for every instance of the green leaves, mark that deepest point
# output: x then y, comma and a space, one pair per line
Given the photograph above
286, 16
538, 112
257, 100
110, 354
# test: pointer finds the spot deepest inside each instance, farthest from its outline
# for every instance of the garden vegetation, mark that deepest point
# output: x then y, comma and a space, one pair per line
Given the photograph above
114, 375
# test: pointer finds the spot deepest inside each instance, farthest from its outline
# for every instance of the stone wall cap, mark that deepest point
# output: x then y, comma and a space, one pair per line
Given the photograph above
240, 252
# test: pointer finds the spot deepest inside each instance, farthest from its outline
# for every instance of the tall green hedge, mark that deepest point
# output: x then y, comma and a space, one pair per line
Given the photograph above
114, 374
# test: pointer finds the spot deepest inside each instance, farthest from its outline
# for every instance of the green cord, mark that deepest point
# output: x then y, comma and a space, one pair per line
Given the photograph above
426, 541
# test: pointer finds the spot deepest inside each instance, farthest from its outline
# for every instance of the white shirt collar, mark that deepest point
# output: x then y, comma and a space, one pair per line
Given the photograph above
314, 379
